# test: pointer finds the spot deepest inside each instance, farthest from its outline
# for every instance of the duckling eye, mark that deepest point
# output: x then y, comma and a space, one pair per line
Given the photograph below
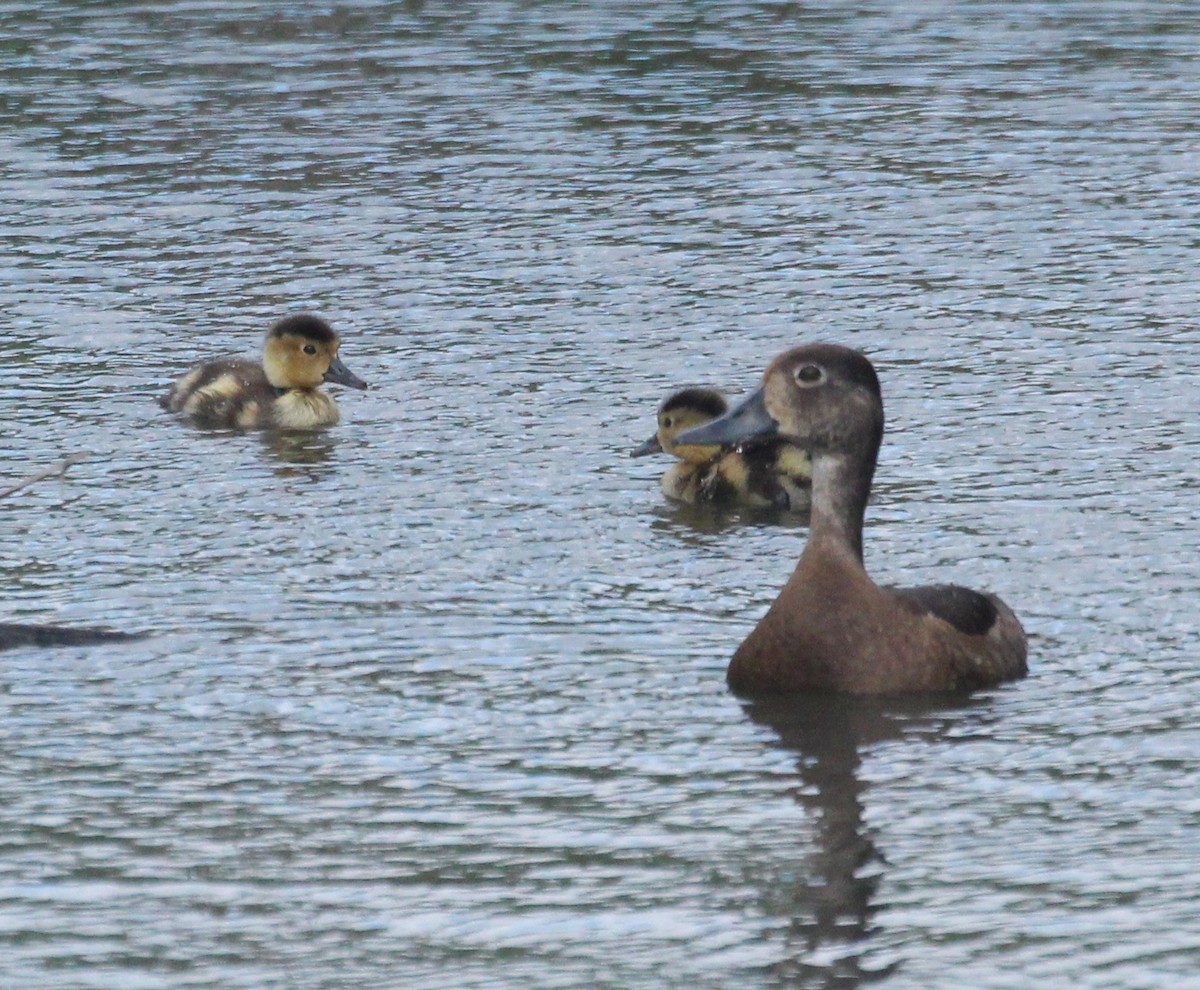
310, 348
666, 421
809, 374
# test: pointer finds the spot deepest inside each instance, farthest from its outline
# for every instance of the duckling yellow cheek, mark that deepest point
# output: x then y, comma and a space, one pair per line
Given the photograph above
275, 365
288, 365
695, 453
308, 370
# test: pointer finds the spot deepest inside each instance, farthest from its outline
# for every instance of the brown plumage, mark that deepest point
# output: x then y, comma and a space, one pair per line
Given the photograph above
832, 627
280, 392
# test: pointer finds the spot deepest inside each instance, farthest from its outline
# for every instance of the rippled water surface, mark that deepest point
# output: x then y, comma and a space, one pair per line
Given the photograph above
435, 698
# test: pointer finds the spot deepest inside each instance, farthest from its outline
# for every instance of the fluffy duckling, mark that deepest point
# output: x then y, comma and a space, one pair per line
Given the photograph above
762, 474
685, 481
281, 392
769, 474
832, 627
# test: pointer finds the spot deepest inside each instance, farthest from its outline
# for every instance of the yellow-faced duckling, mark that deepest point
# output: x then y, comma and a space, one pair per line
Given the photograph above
282, 392
768, 474
688, 407
832, 627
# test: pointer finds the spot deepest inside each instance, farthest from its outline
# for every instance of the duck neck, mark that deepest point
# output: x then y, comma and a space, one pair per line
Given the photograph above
841, 484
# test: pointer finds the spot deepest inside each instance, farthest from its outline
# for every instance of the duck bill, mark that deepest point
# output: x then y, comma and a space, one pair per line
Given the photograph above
748, 420
651, 446
339, 374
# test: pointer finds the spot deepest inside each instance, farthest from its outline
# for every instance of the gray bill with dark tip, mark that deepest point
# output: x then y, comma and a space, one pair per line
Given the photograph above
339, 374
745, 421
651, 446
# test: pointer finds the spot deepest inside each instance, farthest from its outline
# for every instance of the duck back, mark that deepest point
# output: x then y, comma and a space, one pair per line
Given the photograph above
234, 393
833, 629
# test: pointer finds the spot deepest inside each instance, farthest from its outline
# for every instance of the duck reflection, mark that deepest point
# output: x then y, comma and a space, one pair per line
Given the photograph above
830, 902
706, 519
299, 452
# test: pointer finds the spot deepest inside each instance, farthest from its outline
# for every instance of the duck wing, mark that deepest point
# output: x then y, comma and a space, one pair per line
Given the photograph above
970, 612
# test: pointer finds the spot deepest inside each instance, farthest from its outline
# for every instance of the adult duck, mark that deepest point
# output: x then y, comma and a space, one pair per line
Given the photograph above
832, 627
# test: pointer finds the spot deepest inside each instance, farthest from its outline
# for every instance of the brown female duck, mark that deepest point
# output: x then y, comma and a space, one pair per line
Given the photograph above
773, 473
832, 627
281, 392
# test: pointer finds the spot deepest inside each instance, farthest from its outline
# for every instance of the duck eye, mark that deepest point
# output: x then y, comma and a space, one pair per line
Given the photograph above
666, 421
310, 348
809, 374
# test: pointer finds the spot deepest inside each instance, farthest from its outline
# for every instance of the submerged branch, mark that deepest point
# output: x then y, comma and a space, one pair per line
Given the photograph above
58, 470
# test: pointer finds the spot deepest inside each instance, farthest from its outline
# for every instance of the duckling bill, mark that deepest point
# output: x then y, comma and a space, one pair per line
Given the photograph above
831, 627
282, 391
771, 473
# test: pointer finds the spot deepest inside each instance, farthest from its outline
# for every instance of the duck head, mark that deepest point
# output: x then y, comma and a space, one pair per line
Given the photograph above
687, 408
301, 351
823, 398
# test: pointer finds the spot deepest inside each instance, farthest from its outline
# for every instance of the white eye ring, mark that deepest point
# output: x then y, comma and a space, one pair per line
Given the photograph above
808, 375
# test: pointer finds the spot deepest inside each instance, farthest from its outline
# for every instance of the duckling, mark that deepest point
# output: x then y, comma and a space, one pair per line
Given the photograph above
761, 474
831, 627
688, 407
281, 392
768, 474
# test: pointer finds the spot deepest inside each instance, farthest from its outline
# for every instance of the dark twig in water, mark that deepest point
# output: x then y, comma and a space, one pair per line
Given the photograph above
58, 470
22, 634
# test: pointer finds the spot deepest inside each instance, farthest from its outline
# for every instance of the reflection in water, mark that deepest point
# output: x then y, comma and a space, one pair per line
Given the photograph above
298, 448
712, 520
830, 904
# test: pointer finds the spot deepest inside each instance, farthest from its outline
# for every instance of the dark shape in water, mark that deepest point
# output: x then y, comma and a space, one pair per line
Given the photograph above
20, 634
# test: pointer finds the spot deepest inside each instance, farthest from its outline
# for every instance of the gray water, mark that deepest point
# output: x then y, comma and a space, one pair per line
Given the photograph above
435, 698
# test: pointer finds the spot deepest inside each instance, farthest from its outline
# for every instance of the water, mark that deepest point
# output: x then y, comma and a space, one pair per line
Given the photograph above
435, 698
